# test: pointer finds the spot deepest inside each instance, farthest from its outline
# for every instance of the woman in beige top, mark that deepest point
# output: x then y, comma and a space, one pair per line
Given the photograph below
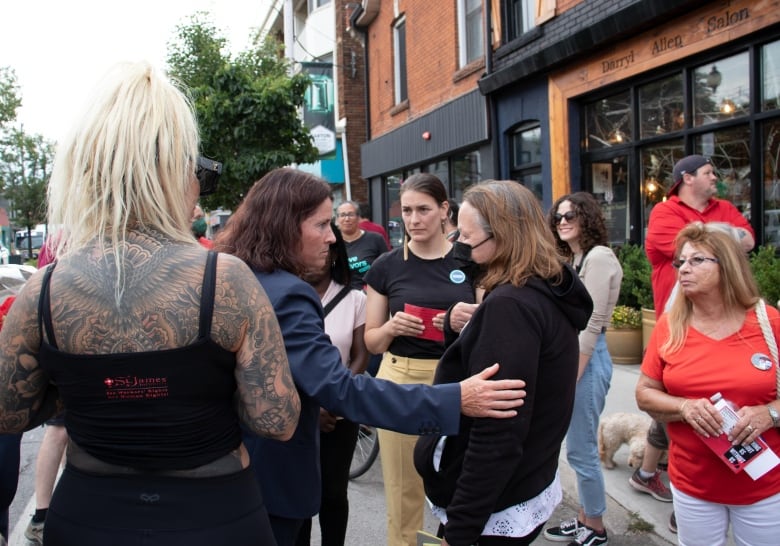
581, 234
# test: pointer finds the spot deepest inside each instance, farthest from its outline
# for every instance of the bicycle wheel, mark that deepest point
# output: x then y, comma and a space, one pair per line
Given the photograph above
366, 451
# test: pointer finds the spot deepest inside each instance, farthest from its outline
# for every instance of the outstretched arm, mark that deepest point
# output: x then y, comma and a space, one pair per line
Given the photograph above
481, 397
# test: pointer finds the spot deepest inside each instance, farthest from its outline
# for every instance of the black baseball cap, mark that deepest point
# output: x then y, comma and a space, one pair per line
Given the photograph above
687, 164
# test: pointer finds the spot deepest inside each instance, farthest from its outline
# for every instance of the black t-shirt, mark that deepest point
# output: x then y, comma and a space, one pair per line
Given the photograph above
362, 252
436, 283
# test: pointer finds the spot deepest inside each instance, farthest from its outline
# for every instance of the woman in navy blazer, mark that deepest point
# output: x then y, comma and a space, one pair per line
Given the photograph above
282, 229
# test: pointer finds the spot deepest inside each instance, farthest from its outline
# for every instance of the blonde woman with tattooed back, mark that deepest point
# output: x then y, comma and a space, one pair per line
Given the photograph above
157, 348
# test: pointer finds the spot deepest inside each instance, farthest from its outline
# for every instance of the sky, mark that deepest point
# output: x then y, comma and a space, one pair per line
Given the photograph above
59, 49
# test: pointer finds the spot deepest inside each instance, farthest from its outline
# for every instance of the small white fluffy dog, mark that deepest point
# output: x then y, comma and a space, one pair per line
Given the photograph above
623, 428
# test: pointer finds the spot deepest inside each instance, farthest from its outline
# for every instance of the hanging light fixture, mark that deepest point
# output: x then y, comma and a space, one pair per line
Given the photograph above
714, 78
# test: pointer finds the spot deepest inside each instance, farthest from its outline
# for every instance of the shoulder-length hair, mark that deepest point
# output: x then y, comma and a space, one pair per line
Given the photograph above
737, 288
265, 230
524, 245
593, 229
129, 163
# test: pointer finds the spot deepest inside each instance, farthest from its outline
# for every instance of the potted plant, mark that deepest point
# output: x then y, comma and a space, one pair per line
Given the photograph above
624, 317
766, 270
624, 335
636, 289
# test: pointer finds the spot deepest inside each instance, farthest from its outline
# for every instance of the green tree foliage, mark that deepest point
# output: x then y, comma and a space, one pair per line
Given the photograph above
25, 169
25, 160
248, 106
9, 95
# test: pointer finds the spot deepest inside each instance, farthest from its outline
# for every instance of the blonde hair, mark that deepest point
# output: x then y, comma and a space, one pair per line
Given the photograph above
738, 287
525, 247
128, 164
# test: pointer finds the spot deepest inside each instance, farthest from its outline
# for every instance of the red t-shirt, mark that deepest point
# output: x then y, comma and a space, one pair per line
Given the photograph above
368, 225
666, 221
702, 367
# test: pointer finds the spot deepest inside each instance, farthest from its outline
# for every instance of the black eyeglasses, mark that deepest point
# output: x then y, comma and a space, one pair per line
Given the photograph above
208, 173
347, 215
694, 261
568, 215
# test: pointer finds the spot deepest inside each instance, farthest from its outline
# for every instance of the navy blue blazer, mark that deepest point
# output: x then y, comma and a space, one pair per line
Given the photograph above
289, 472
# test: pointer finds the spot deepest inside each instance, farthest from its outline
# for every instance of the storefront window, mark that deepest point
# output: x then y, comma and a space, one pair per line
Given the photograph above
395, 226
527, 157
661, 107
730, 153
655, 166
609, 180
772, 183
722, 90
770, 68
608, 122
441, 169
466, 171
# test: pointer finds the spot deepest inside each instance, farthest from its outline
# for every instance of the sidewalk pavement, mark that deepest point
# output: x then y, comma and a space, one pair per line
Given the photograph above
632, 518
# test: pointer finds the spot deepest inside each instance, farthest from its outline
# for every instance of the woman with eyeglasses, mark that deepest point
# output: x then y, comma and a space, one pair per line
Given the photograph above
363, 247
581, 236
716, 338
496, 483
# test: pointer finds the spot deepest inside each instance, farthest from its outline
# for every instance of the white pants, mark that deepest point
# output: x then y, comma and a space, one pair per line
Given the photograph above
704, 523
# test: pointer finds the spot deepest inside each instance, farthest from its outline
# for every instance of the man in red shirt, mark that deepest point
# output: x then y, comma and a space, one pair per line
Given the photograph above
691, 198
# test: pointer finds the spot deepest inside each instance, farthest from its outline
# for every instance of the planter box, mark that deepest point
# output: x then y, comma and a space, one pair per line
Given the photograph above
625, 345
648, 323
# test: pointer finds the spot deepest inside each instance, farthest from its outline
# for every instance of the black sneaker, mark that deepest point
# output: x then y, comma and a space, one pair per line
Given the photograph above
564, 532
589, 537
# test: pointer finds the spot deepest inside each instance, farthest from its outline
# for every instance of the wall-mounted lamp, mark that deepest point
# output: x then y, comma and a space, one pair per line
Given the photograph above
426, 135
714, 78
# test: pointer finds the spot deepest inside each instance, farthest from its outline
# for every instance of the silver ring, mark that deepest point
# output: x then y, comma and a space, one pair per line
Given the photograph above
751, 429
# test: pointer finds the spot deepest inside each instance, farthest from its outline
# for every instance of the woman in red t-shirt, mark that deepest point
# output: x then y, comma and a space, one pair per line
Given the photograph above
709, 342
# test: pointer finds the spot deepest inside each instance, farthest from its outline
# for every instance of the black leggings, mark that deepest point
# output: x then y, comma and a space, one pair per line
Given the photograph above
336, 449
144, 510
9, 475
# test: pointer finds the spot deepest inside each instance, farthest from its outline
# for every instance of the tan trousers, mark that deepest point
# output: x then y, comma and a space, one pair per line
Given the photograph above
404, 495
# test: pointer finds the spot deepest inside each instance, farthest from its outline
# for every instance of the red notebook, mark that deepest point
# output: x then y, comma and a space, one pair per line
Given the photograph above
426, 314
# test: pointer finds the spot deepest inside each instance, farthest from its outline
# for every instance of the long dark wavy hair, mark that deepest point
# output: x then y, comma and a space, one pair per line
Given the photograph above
593, 229
265, 230
339, 259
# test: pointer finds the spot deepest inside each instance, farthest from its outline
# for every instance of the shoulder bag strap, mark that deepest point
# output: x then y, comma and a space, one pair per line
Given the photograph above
335, 301
769, 337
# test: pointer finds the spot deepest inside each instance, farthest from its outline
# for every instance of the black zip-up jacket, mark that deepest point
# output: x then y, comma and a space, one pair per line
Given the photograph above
531, 331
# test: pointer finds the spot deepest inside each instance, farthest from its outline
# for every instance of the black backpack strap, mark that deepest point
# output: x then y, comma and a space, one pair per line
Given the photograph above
44, 307
335, 301
207, 295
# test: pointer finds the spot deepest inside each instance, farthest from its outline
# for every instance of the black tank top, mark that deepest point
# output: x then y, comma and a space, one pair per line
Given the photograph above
171, 409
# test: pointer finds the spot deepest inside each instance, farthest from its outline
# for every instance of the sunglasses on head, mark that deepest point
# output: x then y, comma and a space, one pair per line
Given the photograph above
208, 173
568, 215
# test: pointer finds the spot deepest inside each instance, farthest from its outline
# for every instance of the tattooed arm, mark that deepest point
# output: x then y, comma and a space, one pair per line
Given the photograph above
26, 398
268, 401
